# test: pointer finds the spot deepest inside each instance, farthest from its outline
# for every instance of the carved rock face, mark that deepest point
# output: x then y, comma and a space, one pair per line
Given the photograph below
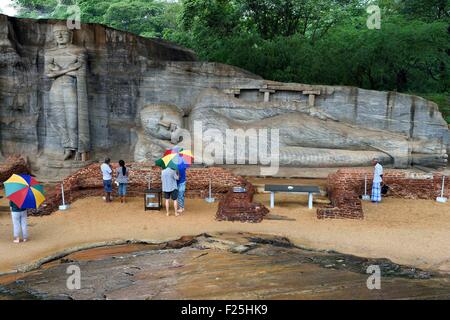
4, 41
62, 37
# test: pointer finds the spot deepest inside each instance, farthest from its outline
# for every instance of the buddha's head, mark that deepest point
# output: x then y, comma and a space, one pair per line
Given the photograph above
160, 121
62, 34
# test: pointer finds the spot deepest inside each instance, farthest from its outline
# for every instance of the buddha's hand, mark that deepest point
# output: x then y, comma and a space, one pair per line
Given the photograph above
75, 66
54, 67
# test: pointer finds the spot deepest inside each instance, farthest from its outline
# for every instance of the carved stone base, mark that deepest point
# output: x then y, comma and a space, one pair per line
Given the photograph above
57, 169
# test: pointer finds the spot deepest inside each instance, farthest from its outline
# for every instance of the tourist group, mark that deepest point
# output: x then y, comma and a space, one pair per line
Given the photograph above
24, 192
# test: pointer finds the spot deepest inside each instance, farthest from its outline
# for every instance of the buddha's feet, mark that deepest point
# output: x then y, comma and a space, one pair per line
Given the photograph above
428, 147
430, 160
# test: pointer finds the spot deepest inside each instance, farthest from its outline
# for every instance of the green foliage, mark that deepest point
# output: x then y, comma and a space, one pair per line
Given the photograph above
402, 56
38, 5
42, 8
139, 17
428, 10
313, 18
94, 10
147, 18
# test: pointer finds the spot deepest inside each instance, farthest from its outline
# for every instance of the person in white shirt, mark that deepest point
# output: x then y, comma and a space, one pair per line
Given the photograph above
377, 180
107, 178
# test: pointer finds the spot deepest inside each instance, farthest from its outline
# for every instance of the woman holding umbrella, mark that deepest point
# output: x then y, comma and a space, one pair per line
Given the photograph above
19, 219
24, 192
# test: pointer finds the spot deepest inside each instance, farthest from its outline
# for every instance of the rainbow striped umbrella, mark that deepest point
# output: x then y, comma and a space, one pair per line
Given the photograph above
24, 191
176, 158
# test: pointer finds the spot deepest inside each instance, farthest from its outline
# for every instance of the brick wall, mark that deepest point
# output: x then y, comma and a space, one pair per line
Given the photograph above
240, 207
88, 182
11, 165
347, 185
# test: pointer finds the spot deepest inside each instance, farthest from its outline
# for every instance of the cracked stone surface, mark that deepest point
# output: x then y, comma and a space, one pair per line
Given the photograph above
218, 267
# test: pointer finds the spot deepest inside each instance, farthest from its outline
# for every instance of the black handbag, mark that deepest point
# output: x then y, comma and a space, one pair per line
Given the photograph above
385, 189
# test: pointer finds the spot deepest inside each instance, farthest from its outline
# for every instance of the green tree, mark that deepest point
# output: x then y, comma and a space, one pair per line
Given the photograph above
221, 17
313, 18
143, 17
93, 11
429, 10
139, 17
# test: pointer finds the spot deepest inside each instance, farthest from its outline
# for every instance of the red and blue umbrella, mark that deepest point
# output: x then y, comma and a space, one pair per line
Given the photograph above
24, 191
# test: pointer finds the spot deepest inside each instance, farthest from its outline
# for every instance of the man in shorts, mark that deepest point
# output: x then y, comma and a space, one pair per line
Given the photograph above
169, 179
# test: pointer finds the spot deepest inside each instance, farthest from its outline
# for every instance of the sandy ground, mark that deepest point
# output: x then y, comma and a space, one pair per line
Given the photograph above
408, 232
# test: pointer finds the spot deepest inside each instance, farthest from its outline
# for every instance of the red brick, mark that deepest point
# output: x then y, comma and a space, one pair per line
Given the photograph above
13, 165
88, 182
346, 185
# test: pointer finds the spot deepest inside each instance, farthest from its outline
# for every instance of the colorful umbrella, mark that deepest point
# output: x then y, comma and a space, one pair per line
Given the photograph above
173, 150
176, 158
24, 191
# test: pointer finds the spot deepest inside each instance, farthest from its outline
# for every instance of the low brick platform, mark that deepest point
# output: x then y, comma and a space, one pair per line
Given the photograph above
347, 185
13, 165
240, 207
88, 182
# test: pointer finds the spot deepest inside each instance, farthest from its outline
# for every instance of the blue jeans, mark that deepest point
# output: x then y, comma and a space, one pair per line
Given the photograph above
123, 189
181, 192
19, 220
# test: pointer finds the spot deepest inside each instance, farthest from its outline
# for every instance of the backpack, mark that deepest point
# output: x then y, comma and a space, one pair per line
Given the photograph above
385, 189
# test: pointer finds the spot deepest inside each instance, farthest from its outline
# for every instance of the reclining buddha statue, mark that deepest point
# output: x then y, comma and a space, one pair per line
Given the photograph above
308, 137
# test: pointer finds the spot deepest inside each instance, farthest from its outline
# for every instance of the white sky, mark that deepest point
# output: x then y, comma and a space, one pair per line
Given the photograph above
7, 8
